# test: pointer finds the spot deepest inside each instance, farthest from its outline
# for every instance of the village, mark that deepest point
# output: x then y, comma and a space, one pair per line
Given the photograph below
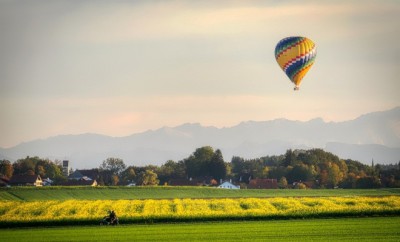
296, 169
88, 178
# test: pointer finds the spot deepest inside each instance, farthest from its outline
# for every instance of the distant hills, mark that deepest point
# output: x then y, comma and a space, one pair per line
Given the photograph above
371, 136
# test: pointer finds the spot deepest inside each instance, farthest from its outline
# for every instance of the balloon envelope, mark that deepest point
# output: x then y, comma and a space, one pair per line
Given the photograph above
295, 55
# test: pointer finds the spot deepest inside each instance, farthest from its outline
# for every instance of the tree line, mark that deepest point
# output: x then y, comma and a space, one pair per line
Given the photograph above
312, 168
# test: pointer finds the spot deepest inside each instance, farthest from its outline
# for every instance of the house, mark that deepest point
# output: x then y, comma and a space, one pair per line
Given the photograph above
26, 180
76, 175
190, 182
47, 182
4, 181
82, 182
263, 184
88, 175
228, 185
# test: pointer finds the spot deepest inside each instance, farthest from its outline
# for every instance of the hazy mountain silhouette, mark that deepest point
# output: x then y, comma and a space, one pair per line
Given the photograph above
371, 136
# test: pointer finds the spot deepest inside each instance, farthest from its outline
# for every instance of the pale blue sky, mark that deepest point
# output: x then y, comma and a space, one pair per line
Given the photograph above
122, 67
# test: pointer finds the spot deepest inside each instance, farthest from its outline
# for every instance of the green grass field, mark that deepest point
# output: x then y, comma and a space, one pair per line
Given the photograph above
335, 229
345, 229
116, 193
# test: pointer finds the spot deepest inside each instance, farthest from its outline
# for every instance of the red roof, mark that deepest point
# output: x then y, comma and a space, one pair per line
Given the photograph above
3, 180
263, 184
185, 182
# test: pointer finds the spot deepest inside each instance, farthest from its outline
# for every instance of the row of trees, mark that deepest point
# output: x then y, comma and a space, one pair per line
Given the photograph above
203, 163
316, 168
312, 168
32, 166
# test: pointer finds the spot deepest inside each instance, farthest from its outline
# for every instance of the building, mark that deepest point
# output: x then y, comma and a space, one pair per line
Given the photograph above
65, 168
228, 185
91, 183
263, 184
92, 174
47, 182
4, 181
184, 182
26, 180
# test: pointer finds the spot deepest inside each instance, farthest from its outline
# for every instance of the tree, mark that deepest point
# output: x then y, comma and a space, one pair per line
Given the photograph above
105, 177
114, 180
40, 171
300, 173
146, 178
196, 164
368, 182
300, 185
278, 172
350, 181
6, 168
171, 170
38, 166
237, 164
290, 158
283, 182
334, 175
128, 175
25, 166
249, 168
216, 166
54, 171
114, 165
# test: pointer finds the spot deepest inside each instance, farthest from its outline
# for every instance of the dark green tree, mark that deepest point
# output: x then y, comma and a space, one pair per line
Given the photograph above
300, 173
290, 158
196, 164
216, 166
171, 170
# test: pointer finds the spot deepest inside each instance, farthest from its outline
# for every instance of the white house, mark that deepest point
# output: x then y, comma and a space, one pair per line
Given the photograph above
228, 185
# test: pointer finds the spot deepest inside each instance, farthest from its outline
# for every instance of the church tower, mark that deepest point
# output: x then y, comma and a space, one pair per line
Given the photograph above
65, 168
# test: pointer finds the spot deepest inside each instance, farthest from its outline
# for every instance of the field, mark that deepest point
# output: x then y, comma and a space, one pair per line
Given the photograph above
344, 229
198, 214
128, 193
71, 212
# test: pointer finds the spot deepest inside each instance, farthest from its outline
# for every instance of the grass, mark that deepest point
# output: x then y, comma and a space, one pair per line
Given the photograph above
344, 229
161, 192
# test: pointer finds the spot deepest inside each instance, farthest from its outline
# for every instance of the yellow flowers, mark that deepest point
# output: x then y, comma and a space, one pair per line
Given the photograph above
14, 211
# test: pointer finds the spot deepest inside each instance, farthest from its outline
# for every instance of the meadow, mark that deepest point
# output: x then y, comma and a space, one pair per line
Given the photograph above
167, 192
344, 229
198, 214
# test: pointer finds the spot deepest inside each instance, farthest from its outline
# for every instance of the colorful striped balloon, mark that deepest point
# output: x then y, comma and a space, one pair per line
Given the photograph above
295, 55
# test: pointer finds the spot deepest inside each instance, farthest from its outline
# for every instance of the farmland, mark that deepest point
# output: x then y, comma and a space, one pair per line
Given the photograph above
66, 206
161, 192
344, 229
198, 214
171, 210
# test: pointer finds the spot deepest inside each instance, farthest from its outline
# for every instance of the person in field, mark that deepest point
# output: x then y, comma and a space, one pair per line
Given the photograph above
111, 219
113, 216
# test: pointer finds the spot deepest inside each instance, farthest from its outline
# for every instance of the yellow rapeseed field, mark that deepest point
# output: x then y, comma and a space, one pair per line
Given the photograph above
73, 210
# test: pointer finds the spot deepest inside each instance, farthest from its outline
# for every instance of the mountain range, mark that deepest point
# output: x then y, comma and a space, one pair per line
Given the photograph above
373, 136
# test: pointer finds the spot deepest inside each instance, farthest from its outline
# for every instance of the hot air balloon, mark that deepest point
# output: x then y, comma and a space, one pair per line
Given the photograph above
295, 55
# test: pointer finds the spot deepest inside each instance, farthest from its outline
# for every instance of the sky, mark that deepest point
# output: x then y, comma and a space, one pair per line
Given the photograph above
123, 67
